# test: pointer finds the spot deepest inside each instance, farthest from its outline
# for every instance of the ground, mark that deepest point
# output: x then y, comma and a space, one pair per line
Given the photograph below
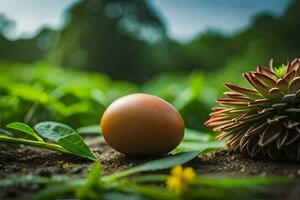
17, 161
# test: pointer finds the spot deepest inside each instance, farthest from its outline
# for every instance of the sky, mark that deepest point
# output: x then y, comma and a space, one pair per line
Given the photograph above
184, 18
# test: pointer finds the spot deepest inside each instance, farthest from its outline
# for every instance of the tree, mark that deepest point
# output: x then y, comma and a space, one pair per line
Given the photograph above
111, 36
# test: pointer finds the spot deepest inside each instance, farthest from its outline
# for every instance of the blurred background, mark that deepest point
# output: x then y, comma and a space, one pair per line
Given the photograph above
66, 60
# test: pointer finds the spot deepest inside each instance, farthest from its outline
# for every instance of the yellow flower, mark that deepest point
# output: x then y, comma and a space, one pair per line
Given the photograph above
180, 179
174, 184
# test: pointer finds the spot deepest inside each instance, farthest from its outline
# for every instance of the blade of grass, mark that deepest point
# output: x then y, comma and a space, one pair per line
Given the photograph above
159, 164
55, 191
240, 182
32, 179
148, 191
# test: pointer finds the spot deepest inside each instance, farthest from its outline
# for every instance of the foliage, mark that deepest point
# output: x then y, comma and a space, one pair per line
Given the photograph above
111, 37
159, 164
96, 186
65, 139
42, 92
116, 38
113, 40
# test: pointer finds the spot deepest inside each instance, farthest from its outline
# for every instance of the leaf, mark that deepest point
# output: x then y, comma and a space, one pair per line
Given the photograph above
92, 183
66, 137
25, 129
55, 191
94, 174
121, 196
240, 182
53, 130
151, 191
223, 182
192, 146
31, 179
152, 178
89, 130
194, 135
159, 164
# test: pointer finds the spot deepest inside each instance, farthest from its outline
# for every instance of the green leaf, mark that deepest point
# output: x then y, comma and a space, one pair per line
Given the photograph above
66, 137
192, 146
150, 191
121, 196
25, 129
240, 182
152, 178
95, 173
196, 136
31, 179
92, 185
220, 182
56, 191
53, 130
159, 164
89, 130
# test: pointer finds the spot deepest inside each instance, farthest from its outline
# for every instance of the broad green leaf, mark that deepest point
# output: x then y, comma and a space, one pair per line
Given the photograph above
66, 137
53, 130
159, 164
86, 130
25, 129
75, 144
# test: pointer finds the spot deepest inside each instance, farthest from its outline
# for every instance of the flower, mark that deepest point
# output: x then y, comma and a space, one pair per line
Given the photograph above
180, 179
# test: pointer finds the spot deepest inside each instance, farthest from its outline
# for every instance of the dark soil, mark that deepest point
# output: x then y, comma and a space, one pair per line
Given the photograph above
20, 160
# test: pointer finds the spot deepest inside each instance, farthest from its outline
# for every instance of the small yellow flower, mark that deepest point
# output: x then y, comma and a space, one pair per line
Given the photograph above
188, 175
180, 179
174, 184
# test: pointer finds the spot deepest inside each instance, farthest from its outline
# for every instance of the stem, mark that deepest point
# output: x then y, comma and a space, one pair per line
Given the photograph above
54, 147
31, 112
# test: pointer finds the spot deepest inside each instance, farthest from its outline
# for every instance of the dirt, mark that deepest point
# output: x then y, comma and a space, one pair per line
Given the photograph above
20, 160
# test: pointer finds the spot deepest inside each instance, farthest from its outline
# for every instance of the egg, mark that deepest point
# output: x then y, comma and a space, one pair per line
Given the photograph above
142, 125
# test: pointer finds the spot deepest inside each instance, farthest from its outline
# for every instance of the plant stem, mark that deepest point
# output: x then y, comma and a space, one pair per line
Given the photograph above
10, 140
31, 112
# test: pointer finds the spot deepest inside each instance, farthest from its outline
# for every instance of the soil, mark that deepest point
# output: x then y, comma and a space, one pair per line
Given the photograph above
20, 160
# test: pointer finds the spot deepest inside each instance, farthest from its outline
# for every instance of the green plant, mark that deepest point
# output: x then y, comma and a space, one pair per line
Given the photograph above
263, 121
150, 186
42, 92
64, 138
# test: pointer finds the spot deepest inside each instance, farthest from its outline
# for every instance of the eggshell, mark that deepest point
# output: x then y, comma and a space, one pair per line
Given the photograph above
142, 125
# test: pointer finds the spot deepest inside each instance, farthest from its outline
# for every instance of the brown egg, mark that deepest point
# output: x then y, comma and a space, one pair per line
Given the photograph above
142, 125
